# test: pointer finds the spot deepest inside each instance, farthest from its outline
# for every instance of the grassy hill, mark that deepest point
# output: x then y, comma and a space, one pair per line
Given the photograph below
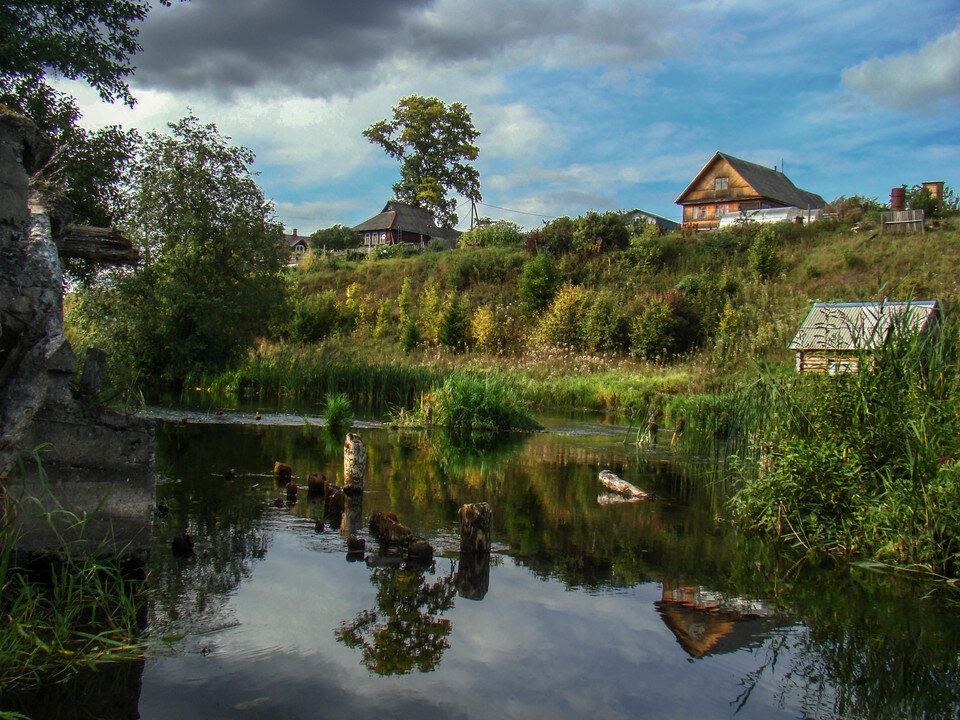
585, 322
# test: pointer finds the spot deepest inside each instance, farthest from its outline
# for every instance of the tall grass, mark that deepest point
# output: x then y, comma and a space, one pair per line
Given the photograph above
69, 612
471, 402
864, 464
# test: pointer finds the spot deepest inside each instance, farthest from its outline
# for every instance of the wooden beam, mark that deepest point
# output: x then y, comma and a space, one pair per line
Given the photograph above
103, 245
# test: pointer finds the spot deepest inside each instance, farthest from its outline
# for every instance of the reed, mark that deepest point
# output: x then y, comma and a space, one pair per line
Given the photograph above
477, 403
81, 611
339, 412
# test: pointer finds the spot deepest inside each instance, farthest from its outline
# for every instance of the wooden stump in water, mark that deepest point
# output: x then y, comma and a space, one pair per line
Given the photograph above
352, 515
354, 464
388, 529
283, 472
475, 528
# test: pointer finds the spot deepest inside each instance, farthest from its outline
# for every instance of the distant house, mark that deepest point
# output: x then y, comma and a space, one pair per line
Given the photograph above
666, 225
298, 245
730, 185
402, 223
834, 335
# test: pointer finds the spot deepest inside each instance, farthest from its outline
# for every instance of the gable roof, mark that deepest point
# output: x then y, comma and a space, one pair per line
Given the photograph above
402, 216
293, 240
768, 183
860, 325
663, 222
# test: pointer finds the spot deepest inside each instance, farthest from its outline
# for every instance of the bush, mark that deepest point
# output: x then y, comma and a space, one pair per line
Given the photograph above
337, 237
491, 402
865, 463
561, 324
764, 254
556, 237
667, 326
410, 335
315, 318
650, 250
595, 233
452, 329
606, 328
499, 234
538, 283
486, 330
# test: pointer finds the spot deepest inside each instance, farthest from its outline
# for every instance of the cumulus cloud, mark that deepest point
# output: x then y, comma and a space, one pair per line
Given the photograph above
918, 80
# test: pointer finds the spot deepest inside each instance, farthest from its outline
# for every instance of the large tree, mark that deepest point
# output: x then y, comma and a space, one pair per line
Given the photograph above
434, 143
212, 252
91, 40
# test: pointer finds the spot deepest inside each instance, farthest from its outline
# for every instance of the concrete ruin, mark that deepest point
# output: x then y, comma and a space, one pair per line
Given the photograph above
95, 465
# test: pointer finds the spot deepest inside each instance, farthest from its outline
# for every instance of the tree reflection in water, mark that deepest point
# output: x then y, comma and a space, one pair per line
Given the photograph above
406, 630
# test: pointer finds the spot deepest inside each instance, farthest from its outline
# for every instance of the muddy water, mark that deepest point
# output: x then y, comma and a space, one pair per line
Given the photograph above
585, 610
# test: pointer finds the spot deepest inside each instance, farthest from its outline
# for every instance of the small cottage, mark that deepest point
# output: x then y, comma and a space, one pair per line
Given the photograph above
834, 336
298, 245
727, 184
402, 223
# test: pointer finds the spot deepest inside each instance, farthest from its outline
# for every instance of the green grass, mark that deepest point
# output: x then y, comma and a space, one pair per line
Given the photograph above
338, 412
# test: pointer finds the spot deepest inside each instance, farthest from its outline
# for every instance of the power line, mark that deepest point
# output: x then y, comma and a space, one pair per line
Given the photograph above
519, 212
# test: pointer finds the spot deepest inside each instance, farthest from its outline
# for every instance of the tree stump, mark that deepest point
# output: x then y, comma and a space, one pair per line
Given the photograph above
283, 473
354, 464
475, 528
352, 515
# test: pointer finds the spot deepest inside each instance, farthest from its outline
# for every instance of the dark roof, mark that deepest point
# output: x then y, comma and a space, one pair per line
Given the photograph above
860, 325
663, 222
294, 239
401, 216
768, 183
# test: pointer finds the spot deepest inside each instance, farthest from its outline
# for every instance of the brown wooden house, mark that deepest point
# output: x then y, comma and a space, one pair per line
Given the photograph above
834, 337
402, 223
728, 185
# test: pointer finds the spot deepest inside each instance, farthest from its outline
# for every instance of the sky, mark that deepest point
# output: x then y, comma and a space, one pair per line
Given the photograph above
581, 104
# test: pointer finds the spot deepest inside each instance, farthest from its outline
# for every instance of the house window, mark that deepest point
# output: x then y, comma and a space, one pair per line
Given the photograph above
720, 183
721, 209
700, 212
383, 237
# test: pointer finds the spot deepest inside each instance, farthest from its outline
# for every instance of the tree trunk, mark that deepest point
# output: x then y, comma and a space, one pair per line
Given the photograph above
354, 464
620, 486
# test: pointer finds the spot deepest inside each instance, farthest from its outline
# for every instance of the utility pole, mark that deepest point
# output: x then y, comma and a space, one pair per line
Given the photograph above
474, 216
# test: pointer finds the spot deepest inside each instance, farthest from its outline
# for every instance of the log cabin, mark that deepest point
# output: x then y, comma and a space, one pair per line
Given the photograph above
835, 337
402, 223
729, 185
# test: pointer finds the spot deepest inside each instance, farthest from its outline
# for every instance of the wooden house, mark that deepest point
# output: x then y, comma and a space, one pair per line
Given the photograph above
730, 185
834, 336
298, 245
402, 223
664, 224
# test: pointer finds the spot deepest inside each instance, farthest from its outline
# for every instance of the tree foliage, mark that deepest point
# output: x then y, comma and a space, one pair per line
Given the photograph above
434, 143
210, 278
91, 40
336, 237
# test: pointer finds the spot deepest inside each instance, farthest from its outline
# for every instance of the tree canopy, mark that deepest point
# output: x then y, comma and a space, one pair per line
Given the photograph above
210, 280
434, 143
336, 237
90, 40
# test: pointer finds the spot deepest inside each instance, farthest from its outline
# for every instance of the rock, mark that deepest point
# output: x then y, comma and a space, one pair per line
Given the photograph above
356, 544
420, 550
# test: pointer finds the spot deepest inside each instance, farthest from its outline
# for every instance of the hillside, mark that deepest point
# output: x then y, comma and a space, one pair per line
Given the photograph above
642, 316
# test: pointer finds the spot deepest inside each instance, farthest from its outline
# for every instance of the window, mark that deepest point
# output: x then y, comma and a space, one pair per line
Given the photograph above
383, 237
720, 183
721, 209
366, 238
700, 212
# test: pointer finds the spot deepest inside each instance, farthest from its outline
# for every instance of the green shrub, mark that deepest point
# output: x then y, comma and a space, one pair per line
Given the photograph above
490, 402
316, 317
498, 234
561, 324
339, 412
667, 326
409, 335
452, 330
650, 250
556, 237
764, 254
606, 327
595, 233
538, 283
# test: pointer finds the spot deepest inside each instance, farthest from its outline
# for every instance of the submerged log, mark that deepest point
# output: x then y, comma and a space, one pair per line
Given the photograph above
104, 245
354, 464
621, 486
475, 528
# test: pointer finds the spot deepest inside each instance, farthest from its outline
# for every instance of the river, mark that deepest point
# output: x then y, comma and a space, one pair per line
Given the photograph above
657, 609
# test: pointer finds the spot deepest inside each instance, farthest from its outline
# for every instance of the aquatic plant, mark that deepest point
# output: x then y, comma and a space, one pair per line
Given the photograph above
489, 402
338, 412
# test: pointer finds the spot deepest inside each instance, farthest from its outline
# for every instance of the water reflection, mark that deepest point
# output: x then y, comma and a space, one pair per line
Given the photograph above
806, 641
406, 631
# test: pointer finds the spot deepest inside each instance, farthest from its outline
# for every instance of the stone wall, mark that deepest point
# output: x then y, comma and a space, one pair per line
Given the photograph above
94, 464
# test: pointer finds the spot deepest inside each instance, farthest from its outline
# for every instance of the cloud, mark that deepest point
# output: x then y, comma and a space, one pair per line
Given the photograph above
918, 80
322, 47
